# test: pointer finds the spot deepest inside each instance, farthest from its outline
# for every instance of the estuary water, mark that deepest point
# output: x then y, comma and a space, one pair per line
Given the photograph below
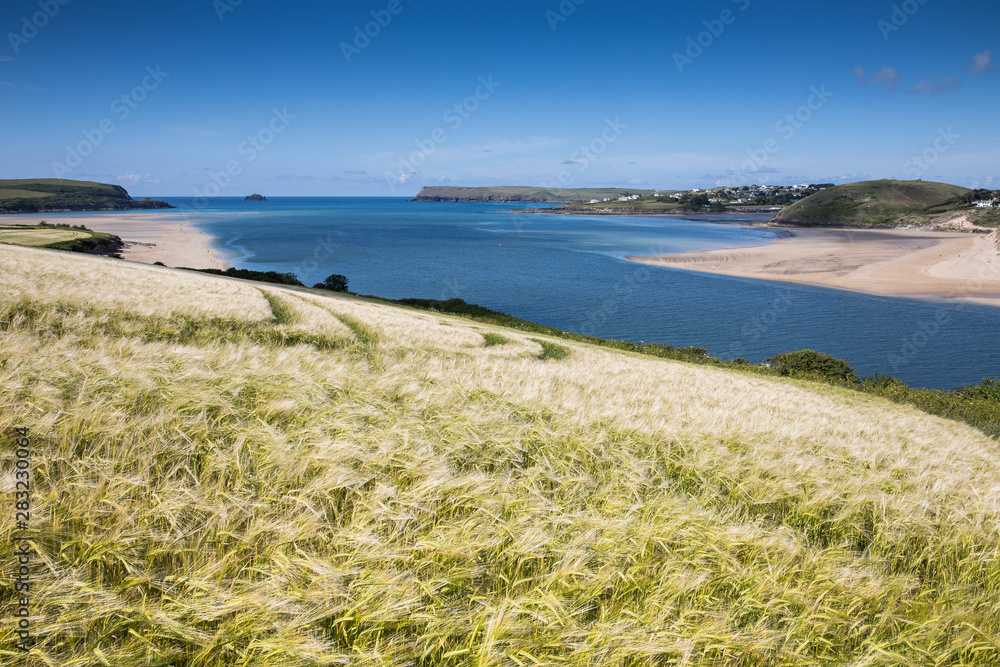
569, 272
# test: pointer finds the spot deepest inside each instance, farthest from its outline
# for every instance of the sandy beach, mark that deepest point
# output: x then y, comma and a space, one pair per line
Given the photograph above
903, 263
150, 236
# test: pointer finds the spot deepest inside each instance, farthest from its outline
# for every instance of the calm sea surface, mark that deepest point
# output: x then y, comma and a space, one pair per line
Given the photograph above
569, 272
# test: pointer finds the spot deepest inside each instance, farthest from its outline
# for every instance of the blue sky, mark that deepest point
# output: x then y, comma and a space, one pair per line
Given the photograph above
228, 97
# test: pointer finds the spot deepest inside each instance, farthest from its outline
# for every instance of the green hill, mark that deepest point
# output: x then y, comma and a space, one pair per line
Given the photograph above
50, 195
886, 203
229, 473
518, 194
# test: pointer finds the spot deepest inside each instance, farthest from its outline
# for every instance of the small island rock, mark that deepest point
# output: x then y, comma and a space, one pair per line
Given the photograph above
255, 198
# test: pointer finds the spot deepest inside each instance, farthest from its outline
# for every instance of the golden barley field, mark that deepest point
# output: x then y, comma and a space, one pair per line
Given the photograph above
230, 473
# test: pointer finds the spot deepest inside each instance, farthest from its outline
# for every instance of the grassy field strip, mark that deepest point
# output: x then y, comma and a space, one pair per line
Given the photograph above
38, 237
229, 489
433, 331
15, 193
59, 277
676, 400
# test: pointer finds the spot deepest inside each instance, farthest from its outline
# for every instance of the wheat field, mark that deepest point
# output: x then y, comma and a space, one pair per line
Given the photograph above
231, 473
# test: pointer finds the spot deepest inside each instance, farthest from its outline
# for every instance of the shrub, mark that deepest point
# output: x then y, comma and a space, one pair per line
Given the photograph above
811, 365
551, 350
259, 276
988, 389
333, 282
491, 339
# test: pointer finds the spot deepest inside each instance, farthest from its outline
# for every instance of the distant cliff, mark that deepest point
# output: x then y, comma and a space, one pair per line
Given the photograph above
49, 195
519, 194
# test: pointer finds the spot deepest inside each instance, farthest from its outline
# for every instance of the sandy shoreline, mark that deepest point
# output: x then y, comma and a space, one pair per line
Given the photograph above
150, 236
903, 263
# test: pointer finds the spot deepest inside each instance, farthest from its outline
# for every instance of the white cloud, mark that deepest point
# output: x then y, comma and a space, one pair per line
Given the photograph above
888, 78
982, 63
941, 84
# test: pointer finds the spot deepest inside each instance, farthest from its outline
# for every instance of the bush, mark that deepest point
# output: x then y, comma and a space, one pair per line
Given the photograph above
811, 365
987, 390
259, 276
491, 339
333, 282
551, 350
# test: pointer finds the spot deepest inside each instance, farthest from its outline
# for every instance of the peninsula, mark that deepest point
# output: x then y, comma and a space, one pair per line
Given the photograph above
521, 194
45, 213
49, 195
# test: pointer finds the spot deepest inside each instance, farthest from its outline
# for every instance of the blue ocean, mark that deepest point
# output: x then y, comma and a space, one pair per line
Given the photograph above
569, 272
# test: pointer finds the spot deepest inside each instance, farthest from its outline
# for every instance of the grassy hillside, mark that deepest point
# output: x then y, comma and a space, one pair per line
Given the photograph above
54, 194
885, 203
61, 237
522, 194
228, 473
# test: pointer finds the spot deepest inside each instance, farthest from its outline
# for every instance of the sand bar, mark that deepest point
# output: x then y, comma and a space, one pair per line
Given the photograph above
903, 263
150, 236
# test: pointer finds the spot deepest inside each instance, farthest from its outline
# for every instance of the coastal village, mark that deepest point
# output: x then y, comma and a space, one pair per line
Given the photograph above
766, 195
760, 195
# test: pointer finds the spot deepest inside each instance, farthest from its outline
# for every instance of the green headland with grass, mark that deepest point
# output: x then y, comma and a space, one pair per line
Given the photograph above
889, 203
516, 194
48, 195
